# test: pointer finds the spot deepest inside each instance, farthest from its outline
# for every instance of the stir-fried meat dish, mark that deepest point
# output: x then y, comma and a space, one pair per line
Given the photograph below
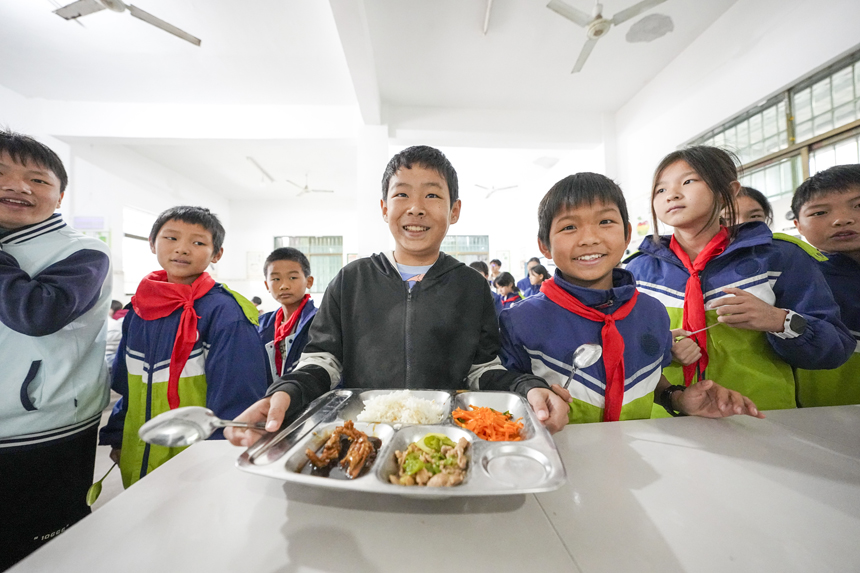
352, 449
434, 461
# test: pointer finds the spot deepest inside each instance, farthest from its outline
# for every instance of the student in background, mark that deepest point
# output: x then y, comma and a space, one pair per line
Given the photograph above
768, 305
257, 301
482, 268
752, 205
386, 320
114, 331
188, 341
537, 275
55, 291
524, 283
507, 289
583, 227
827, 211
284, 332
495, 269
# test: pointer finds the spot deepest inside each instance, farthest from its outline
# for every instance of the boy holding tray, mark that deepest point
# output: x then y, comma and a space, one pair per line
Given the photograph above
583, 227
413, 318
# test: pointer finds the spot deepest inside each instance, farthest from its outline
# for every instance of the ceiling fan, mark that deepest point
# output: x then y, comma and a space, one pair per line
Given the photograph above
307, 189
492, 189
595, 24
83, 7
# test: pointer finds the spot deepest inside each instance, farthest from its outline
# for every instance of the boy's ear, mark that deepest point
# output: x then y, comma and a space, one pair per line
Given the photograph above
217, 256
454, 216
267, 286
544, 250
629, 234
310, 282
60, 200
384, 207
152, 247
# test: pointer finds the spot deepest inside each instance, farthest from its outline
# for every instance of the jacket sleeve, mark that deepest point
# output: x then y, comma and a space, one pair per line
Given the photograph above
111, 433
47, 302
235, 367
321, 364
826, 343
487, 365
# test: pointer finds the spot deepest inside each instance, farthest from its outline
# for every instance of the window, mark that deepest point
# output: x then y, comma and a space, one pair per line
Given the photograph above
467, 248
324, 253
810, 127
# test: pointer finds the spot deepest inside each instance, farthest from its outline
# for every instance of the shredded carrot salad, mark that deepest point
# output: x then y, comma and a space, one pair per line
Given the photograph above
489, 424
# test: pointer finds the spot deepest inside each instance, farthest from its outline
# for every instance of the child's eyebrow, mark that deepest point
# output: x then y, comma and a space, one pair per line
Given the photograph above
29, 171
685, 174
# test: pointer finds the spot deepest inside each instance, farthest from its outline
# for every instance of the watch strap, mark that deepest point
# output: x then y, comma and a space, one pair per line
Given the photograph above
665, 399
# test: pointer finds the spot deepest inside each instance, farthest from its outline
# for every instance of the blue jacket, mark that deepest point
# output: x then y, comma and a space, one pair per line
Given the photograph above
781, 273
539, 337
838, 386
295, 342
524, 284
226, 372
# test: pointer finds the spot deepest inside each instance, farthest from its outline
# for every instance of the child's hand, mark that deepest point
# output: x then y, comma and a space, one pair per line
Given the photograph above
115, 454
710, 400
549, 408
562, 393
747, 311
686, 351
270, 410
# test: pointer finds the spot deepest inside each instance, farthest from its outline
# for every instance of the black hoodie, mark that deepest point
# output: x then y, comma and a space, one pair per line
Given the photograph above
373, 332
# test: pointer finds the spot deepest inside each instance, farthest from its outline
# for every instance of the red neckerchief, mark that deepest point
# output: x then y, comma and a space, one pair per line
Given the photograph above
694, 299
283, 329
156, 298
514, 298
613, 343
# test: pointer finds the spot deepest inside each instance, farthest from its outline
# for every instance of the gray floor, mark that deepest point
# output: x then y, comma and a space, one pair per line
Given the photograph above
112, 485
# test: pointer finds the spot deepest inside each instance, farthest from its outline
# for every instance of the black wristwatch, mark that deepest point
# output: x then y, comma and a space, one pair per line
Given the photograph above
665, 399
793, 326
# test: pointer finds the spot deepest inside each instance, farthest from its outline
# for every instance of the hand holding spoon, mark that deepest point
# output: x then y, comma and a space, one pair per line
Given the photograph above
185, 426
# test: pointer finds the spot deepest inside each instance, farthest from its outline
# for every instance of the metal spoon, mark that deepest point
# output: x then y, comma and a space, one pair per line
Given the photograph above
185, 426
583, 357
96, 489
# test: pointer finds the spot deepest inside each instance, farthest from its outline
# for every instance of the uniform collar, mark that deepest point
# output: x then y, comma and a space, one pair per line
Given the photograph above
606, 301
30, 232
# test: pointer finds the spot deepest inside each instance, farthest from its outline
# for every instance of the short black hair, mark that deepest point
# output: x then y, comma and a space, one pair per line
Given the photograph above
257, 300
533, 260
288, 254
575, 190
115, 305
194, 216
427, 157
759, 198
481, 267
506, 279
541, 270
24, 149
497, 262
837, 179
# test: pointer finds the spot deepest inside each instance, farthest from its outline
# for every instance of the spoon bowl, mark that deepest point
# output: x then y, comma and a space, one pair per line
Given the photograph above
184, 426
583, 357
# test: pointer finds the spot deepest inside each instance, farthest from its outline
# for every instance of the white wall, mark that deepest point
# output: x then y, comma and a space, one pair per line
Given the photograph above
757, 48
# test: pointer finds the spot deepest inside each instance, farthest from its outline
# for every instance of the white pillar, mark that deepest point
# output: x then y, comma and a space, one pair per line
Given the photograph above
370, 231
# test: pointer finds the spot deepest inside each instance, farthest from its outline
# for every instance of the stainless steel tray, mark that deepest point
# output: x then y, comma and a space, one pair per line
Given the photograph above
531, 465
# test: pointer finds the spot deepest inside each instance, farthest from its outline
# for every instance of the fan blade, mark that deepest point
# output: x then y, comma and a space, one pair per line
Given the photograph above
296, 184
159, 23
481, 187
634, 11
583, 55
575, 15
506, 188
322, 190
78, 9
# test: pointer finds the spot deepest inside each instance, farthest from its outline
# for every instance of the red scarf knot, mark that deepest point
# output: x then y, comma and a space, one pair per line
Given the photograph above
612, 342
156, 298
694, 298
283, 330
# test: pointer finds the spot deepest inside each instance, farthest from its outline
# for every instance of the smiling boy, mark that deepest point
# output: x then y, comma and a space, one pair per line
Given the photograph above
411, 318
284, 332
827, 211
187, 341
55, 291
583, 227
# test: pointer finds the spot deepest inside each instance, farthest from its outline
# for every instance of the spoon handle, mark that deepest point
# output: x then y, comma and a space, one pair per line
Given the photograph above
235, 424
570, 377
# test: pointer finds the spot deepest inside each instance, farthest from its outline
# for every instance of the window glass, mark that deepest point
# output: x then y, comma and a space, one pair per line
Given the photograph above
325, 255
775, 179
467, 248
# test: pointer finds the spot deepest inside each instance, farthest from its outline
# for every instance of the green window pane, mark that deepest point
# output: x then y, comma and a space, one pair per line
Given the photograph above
822, 123
742, 134
769, 122
803, 131
755, 129
843, 86
821, 98
844, 114
802, 106
771, 145
729, 138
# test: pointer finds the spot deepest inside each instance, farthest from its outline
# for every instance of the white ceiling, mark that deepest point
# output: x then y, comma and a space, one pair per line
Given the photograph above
380, 54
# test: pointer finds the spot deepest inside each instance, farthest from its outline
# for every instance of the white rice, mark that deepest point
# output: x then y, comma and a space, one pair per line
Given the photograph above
401, 407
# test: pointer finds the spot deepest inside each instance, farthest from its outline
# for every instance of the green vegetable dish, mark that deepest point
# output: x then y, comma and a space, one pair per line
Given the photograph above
434, 461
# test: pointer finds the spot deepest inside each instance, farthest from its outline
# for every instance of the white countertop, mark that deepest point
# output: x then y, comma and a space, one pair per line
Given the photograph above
684, 494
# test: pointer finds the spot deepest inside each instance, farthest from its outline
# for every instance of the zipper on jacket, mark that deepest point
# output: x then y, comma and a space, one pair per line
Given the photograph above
408, 333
